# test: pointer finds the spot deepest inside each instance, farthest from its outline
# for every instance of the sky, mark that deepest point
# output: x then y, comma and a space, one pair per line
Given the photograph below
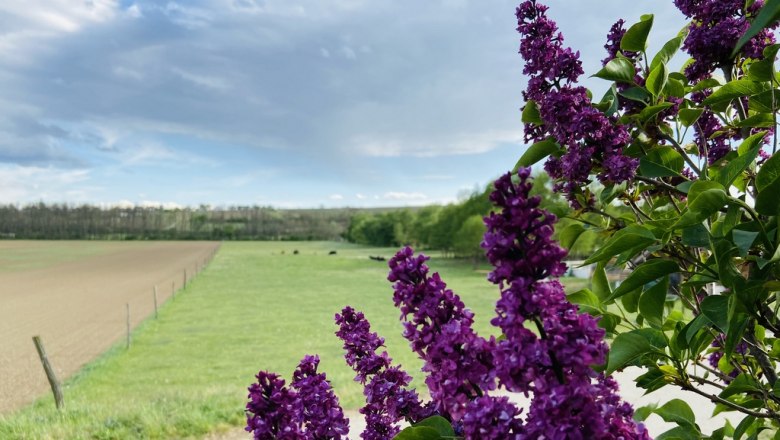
284, 103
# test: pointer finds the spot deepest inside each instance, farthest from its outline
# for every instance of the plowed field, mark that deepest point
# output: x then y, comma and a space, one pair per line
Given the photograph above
74, 295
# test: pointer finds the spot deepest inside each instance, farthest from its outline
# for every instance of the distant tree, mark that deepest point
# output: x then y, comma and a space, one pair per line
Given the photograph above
468, 239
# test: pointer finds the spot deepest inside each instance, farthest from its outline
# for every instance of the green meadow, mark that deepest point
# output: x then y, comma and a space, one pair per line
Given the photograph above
257, 306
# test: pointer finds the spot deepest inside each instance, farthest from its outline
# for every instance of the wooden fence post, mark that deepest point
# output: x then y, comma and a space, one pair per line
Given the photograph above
55, 384
155, 301
128, 325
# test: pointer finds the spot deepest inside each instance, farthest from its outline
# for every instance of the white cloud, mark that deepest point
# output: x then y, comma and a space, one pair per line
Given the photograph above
405, 196
336, 197
23, 184
211, 82
134, 11
348, 52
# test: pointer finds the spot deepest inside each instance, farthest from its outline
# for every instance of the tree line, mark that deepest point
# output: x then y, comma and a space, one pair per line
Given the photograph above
457, 229
68, 222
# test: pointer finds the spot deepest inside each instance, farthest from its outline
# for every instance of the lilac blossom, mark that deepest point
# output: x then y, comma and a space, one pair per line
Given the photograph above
274, 411
458, 363
716, 27
388, 399
593, 143
322, 415
492, 418
569, 399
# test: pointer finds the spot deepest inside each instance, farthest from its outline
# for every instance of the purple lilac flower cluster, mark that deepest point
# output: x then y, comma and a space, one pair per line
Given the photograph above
714, 358
322, 414
307, 410
385, 386
716, 26
570, 399
592, 141
458, 363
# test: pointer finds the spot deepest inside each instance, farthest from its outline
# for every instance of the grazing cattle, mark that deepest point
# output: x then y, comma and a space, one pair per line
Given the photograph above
332, 253
377, 258
295, 252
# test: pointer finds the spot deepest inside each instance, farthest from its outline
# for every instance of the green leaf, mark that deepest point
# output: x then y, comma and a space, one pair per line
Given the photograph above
741, 384
769, 13
611, 192
569, 236
630, 237
644, 273
679, 433
637, 94
537, 152
652, 301
439, 423
643, 412
667, 52
724, 252
418, 433
626, 348
762, 70
734, 89
635, 38
661, 162
709, 201
657, 78
650, 381
768, 186
716, 309
704, 84
760, 120
691, 329
649, 112
696, 235
630, 302
704, 205
768, 173
600, 282
743, 426
587, 300
674, 87
751, 147
619, 70
609, 104
764, 102
768, 201
677, 411
609, 321
698, 187
688, 116
743, 240
531, 114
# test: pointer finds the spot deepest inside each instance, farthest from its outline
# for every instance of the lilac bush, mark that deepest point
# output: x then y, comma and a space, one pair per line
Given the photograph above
678, 173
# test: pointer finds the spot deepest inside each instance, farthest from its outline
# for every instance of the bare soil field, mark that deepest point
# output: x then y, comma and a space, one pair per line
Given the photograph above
74, 295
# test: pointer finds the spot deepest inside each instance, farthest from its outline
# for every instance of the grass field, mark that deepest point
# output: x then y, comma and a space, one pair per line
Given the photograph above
253, 308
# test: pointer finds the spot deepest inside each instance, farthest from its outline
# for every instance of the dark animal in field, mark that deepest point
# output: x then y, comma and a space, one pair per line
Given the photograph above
332, 253
377, 258
295, 252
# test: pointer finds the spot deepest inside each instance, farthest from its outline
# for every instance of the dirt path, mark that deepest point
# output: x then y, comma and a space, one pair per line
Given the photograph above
78, 307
